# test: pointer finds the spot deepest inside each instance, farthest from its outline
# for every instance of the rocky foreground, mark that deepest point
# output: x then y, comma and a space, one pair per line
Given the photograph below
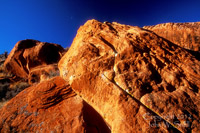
114, 78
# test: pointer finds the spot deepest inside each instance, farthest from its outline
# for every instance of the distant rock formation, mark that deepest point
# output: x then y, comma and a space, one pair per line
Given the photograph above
115, 78
29, 54
186, 35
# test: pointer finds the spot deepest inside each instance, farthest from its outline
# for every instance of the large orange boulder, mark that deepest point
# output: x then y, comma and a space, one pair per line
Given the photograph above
186, 35
136, 80
28, 54
50, 106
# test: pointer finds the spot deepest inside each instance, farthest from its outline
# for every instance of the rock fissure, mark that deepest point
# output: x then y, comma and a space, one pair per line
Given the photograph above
108, 44
150, 68
126, 91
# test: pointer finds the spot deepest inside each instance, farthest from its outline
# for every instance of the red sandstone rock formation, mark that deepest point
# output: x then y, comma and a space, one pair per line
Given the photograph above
50, 106
118, 78
186, 35
28, 54
136, 80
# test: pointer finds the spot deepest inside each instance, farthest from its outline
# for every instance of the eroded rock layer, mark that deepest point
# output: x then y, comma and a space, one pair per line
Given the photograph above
28, 54
135, 79
186, 35
50, 106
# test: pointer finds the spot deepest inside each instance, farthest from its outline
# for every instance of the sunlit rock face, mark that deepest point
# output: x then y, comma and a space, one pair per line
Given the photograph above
114, 78
29, 54
134, 78
50, 106
186, 35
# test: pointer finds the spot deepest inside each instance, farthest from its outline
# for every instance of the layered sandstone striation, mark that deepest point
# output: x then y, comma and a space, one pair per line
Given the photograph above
135, 79
29, 54
50, 106
186, 35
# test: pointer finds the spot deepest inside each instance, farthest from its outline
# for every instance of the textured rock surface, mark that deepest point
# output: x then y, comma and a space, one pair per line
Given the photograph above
186, 35
42, 73
50, 106
28, 54
135, 79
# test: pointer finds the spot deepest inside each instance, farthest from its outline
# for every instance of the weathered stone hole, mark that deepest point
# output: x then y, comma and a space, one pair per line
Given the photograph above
146, 88
49, 54
155, 75
34, 78
170, 88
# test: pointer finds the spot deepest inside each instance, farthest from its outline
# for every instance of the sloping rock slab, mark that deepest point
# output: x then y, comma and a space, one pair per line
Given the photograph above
186, 35
50, 106
136, 80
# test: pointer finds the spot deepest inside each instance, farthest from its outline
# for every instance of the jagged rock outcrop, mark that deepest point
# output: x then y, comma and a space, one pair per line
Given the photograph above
28, 54
3, 58
50, 106
186, 35
136, 80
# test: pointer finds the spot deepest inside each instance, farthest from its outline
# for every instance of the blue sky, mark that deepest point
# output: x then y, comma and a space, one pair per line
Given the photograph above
57, 21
